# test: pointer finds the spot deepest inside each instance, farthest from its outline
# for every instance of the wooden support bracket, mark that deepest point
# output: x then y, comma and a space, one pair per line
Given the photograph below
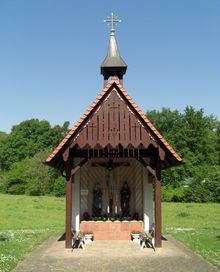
161, 153
148, 167
66, 155
81, 163
73, 171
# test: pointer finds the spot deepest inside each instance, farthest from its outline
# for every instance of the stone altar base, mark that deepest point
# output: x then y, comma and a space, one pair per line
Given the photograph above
108, 230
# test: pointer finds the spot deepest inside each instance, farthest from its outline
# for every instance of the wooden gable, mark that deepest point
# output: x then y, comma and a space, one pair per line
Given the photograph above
114, 123
114, 120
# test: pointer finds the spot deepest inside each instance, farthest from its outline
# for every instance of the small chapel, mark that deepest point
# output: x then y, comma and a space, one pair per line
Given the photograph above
112, 160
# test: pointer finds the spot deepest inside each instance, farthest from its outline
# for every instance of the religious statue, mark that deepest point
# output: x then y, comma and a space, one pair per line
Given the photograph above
125, 197
97, 201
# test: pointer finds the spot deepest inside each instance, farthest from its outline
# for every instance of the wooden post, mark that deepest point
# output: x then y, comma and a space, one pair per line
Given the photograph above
157, 199
69, 180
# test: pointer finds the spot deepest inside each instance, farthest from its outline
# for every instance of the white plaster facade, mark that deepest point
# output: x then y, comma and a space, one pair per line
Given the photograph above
76, 202
148, 201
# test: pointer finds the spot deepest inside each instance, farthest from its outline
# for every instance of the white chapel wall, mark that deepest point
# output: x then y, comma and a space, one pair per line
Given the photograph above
76, 202
147, 201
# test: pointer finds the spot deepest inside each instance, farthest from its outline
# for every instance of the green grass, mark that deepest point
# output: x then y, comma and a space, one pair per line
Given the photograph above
26, 222
196, 225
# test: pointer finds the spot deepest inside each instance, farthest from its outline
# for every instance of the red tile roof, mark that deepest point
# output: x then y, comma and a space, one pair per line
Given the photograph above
134, 105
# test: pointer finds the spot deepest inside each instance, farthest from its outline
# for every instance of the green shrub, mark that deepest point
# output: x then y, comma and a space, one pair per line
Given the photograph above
15, 181
167, 193
30, 176
170, 194
214, 188
206, 185
16, 189
178, 194
59, 187
197, 193
2, 182
34, 187
39, 176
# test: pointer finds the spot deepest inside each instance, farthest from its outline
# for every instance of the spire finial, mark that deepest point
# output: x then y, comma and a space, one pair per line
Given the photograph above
113, 64
112, 21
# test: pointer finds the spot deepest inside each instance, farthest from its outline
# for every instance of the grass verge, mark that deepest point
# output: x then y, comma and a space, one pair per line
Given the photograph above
15, 244
196, 225
25, 223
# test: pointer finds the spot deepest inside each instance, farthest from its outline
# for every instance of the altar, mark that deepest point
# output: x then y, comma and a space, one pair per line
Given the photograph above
112, 230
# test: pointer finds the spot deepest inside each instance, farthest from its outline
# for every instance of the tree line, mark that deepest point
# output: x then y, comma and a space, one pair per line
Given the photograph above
22, 153
195, 136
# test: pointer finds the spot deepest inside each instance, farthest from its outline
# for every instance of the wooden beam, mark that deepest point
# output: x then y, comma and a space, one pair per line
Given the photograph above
81, 163
83, 153
157, 199
148, 167
66, 155
69, 177
161, 153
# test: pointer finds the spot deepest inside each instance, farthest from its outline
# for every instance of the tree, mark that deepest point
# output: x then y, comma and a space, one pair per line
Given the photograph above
27, 139
40, 178
168, 123
199, 137
3, 135
31, 176
218, 141
194, 136
15, 180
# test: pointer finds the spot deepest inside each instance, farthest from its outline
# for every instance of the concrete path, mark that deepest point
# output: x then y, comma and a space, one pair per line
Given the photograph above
113, 256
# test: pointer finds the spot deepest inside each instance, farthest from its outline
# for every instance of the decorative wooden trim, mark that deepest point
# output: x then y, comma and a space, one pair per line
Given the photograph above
114, 83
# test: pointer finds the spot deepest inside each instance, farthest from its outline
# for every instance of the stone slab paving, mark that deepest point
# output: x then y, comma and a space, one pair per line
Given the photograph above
113, 256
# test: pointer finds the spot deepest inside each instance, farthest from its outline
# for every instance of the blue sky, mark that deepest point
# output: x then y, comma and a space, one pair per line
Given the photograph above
51, 51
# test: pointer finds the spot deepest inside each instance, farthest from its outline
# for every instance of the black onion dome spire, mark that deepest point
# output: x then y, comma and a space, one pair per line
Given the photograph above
113, 64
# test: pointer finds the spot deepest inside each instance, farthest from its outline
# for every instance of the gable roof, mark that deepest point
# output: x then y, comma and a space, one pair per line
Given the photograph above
146, 121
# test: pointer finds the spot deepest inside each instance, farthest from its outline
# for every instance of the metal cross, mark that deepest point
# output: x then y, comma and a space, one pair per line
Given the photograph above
135, 126
112, 21
113, 106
